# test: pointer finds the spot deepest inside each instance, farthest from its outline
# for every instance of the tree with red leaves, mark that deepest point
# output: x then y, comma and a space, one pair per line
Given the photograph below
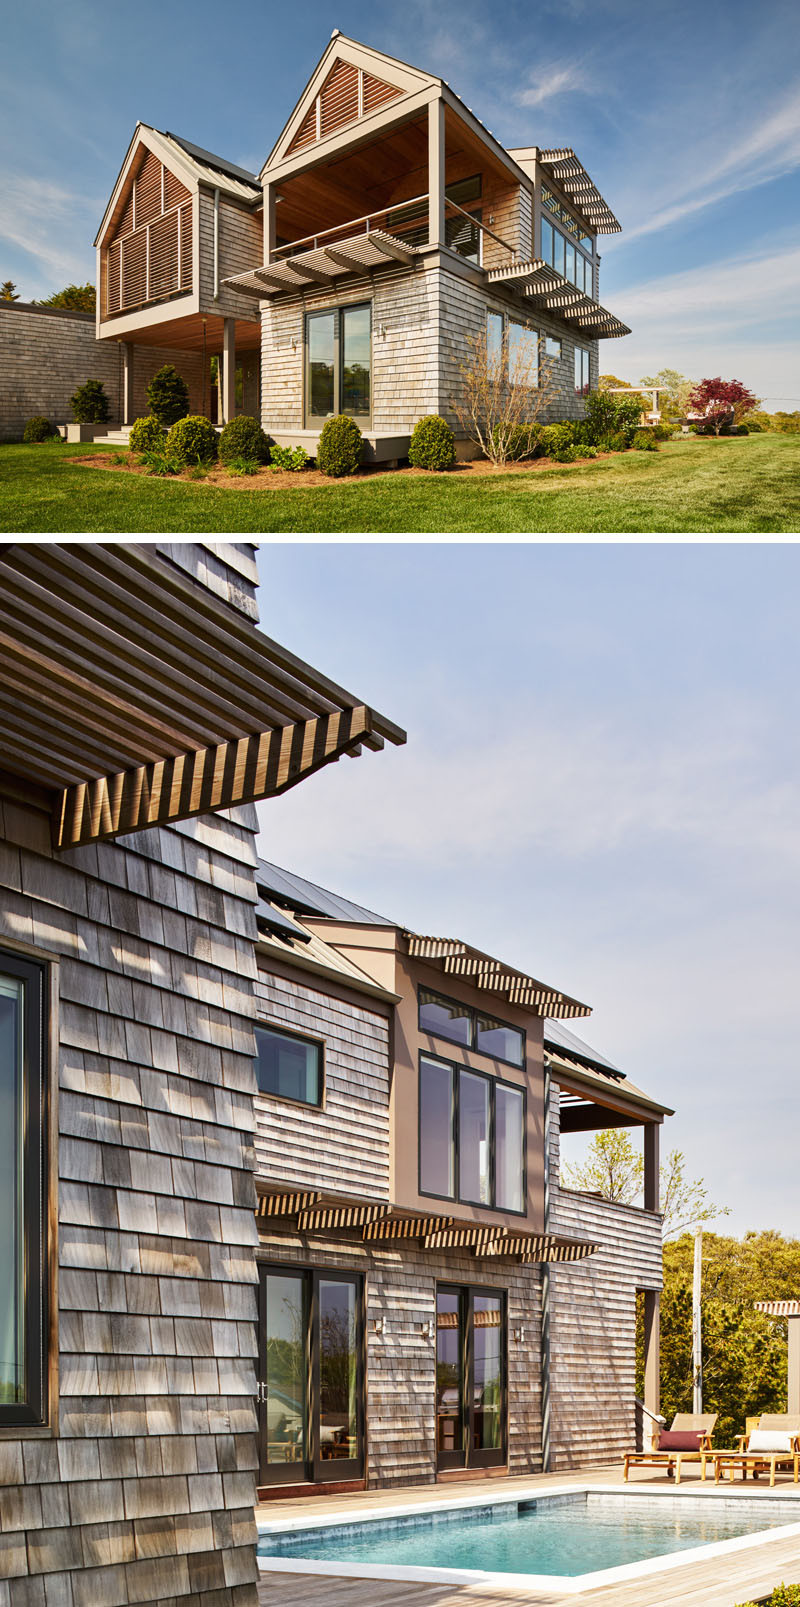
721, 402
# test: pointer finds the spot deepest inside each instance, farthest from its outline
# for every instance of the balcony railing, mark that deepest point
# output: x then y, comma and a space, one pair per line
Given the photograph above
406, 221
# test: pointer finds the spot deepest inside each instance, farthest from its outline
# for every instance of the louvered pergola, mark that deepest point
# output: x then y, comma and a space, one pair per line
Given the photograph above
317, 1211
131, 697
455, 958
571, 176
543, 287
323, 264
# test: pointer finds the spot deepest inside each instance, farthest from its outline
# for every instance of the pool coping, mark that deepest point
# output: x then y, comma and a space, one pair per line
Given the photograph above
567, 1584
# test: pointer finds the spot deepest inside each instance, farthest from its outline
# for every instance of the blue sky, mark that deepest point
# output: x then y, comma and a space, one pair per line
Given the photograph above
687, 117
601, 786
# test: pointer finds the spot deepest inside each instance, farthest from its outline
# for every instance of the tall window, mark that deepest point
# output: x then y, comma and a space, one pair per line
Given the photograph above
22, 1247
339, 364
581, 371
311, 1374
471, 1137
523, 354
567, 259
289, 1065
470, 1377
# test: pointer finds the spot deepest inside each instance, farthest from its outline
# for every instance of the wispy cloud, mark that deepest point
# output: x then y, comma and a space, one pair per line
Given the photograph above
52, 225
769, 150
549, 82
750, 289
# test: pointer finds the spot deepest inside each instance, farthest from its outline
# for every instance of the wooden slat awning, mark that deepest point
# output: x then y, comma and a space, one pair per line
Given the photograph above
131, 697
544, 287
572, 177
778, 1308
355, 254
456, 958
380, 1220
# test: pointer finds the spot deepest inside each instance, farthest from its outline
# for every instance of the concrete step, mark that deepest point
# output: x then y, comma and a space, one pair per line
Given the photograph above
115, 437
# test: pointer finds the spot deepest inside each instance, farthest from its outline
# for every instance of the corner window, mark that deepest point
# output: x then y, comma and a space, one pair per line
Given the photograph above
338, 348
289, 1066
459, 1023
22, 1214
471, 1137
581, 371
523, 354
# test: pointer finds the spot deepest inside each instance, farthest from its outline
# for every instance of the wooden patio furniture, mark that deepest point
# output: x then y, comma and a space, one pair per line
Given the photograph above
773, 1442
688, 1439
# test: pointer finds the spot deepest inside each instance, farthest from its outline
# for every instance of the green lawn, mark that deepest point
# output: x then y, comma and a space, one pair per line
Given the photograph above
746, 484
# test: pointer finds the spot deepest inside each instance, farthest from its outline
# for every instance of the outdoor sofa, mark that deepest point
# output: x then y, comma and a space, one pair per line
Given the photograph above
688, 1439
774, 1443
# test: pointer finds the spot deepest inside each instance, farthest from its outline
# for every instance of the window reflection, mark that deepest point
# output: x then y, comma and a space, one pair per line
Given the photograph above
449, 1372
509, 1106
436, 1128
474, 1138
338, 1428
487, 1425
285, 1368
12, 1236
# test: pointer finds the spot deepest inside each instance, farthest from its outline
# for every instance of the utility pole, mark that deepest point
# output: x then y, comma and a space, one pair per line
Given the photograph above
697, 1324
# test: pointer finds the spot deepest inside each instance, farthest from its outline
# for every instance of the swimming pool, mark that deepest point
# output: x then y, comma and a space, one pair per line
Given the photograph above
575, 1537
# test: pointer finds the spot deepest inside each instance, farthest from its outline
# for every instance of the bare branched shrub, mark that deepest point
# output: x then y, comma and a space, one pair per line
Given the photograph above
505, 389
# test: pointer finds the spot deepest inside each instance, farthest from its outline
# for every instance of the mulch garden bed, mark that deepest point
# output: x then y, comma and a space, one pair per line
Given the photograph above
268, 479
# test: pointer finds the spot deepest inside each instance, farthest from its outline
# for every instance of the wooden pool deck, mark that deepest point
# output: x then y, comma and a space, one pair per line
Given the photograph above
722, 1582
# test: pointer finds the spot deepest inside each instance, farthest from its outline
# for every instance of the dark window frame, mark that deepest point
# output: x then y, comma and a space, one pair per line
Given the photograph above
456, 1198
585, 386
277, 1027
35, 975
313, 420
468, 1457
313, 1468
473, 1011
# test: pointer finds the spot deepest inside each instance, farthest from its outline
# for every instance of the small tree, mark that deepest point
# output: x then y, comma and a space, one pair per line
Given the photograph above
503, 389
168, 395
78, 298
90, 403
722, 401
8, 291
615, 1169
676, 389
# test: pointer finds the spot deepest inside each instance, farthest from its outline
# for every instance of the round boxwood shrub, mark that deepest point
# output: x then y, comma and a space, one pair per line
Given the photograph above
146, 435
37, 429
340, 446
433, 444
644, 441
192, 440
90, 403
555, 438
168, 395
243, 437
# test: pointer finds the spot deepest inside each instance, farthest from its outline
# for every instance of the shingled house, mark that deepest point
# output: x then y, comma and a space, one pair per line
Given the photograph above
387, 228
141, 715
433, 1302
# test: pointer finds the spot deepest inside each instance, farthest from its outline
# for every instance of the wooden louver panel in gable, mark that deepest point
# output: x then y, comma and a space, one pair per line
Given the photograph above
307, 132
174, 191
148, 190
339, 97
134, 268
377, 92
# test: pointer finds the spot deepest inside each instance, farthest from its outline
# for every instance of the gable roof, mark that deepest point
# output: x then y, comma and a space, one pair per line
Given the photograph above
188, 162
386, 73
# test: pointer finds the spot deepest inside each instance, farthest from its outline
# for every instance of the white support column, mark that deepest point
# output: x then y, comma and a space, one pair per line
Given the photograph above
793, 1402
127, 381
269, 222
228, 387
436, 233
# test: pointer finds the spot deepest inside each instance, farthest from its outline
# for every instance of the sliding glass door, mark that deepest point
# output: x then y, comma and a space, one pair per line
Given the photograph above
311, 1382
470, 1377
339, 365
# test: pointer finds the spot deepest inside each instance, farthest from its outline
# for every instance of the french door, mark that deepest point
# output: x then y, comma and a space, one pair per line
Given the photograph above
470, 1377
311, 1375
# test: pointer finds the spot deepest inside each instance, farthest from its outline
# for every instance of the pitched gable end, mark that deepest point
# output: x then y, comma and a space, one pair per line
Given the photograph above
347, 93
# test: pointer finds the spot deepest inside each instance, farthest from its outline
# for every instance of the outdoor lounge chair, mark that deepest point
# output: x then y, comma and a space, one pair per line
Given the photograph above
687, 1440
774, 1443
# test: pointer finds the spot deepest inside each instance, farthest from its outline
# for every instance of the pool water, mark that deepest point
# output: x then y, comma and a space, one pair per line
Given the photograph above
567, 1535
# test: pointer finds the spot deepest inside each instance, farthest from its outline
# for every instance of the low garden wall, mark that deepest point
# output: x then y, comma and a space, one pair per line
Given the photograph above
47, 352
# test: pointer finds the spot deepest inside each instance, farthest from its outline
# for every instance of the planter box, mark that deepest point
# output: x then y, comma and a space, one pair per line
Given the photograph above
82, 432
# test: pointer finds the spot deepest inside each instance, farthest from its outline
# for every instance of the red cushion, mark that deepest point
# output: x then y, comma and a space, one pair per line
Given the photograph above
689, 1440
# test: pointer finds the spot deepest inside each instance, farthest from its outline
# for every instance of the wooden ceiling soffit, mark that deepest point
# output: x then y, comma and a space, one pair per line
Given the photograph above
242, 771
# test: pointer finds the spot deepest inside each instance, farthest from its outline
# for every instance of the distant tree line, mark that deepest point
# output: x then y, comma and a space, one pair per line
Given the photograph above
77, 298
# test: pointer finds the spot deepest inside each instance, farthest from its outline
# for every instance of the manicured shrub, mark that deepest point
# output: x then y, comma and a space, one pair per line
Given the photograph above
662, 432
290, 458
192, 440
556, 438
782, 1596
168, 395
146, 435
90, 403
607, 414
433, 444
340, 446
243, 437
520, 441
37, 429
614, 442
568, 454
754, 427
644, 441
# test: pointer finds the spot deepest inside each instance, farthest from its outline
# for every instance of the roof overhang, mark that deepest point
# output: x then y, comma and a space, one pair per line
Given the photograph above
455, 958
571, 176
133, 698
317, 1211
592, 1101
